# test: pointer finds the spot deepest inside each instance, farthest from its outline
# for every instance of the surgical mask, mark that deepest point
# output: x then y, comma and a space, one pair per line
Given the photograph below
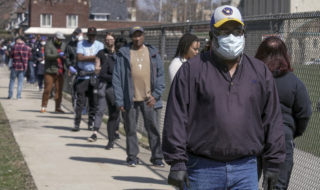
230, 47
80, 37
43, 43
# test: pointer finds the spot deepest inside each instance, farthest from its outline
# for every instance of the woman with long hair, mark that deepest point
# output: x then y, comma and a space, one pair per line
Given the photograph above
188, 47
294, 100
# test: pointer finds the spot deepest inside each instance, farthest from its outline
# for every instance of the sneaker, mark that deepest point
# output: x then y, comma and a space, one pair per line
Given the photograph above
59, 110
158, 163
116, 136
43, 109
109, 145
92, 138
133, 163
76, 128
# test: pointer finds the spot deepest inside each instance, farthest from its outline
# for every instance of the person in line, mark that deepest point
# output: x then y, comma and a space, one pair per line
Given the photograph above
31, 75
40, 61
222, 112
86, 81
294, 99
20, 55
188, 47
54, 69
138, 82
71, 61
105, 61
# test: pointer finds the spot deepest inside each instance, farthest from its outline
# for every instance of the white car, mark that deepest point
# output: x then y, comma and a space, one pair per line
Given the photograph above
313, 62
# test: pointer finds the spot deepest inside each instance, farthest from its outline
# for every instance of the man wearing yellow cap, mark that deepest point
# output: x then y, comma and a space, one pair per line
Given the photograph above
222, 113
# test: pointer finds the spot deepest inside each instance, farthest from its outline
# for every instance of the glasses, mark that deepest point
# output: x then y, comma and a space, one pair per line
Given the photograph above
235, 32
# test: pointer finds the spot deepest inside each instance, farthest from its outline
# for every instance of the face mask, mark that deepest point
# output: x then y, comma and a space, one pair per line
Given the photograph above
43, 43
80, 38
230, 47
58, 42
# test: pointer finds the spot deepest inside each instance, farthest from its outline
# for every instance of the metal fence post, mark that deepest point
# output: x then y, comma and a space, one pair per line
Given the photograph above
163, 43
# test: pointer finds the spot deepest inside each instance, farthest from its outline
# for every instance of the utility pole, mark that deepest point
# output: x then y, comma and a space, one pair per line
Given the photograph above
185, 10
160, 11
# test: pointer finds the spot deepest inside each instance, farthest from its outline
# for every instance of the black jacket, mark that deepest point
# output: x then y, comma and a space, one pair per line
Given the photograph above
71, 53
107, 61
212, 115
295, 103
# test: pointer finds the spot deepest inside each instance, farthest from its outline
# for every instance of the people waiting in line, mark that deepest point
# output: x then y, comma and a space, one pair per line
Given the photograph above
39, 57
86, 80
104, 67
20, 55
294, 99
54, 71
188, 47
138, 82
222, 112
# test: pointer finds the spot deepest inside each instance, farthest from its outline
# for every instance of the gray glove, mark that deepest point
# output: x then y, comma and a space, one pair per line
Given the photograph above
270, 179
178, 178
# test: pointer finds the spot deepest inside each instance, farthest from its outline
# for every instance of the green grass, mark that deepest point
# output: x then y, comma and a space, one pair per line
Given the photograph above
14, 173
310, 141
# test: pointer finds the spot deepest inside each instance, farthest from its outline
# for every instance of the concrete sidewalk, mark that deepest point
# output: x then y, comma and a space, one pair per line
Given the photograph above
60, 159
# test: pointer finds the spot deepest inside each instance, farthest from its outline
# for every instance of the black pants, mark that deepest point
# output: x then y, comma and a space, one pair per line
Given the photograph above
85, 89
286, 167
106, 99
151, 125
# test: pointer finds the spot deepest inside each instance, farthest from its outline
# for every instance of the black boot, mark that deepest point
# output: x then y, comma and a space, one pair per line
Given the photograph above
109, 145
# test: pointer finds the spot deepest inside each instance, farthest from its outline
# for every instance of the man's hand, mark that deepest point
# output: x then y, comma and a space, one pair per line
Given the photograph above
270, 179
178, 178
151, 101
122, 109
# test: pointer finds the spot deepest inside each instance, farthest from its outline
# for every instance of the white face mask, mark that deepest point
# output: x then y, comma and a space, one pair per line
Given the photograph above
43, 43
230, 47
80, 37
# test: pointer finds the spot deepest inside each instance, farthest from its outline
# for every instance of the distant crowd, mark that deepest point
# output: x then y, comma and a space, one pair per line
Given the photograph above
230, 118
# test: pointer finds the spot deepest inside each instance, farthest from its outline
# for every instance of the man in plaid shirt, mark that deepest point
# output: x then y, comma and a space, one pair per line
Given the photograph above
20, 55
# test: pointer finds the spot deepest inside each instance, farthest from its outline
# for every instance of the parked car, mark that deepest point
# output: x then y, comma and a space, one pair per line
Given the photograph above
313, 62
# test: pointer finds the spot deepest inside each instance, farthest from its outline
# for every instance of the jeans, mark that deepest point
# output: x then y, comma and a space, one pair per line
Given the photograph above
32, 75
13, 75
151, 125
40, 81
206, 174
106, 98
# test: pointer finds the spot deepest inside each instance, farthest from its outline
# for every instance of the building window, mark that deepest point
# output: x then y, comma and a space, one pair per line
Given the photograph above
45, 20
72, 21
101, 17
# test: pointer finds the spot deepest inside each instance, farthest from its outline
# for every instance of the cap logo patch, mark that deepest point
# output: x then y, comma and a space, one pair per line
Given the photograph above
227, 11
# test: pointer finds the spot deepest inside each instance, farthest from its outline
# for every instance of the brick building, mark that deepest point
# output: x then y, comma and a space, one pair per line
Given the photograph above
50, 16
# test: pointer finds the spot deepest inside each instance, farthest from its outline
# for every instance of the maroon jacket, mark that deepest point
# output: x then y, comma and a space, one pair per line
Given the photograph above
21, 53
212, 115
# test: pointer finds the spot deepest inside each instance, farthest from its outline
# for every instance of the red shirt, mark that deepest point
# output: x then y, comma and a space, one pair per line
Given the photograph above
21, 53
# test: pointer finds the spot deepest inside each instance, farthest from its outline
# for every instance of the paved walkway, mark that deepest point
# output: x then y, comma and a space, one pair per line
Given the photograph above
63, 160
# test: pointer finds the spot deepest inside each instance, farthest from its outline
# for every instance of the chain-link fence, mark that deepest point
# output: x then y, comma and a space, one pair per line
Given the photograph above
301, 33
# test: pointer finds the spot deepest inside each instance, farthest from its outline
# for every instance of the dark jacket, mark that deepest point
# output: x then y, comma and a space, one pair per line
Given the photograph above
295, 103
51, 56
38, 56
71, 53
212, 115
107, 61
122, 78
